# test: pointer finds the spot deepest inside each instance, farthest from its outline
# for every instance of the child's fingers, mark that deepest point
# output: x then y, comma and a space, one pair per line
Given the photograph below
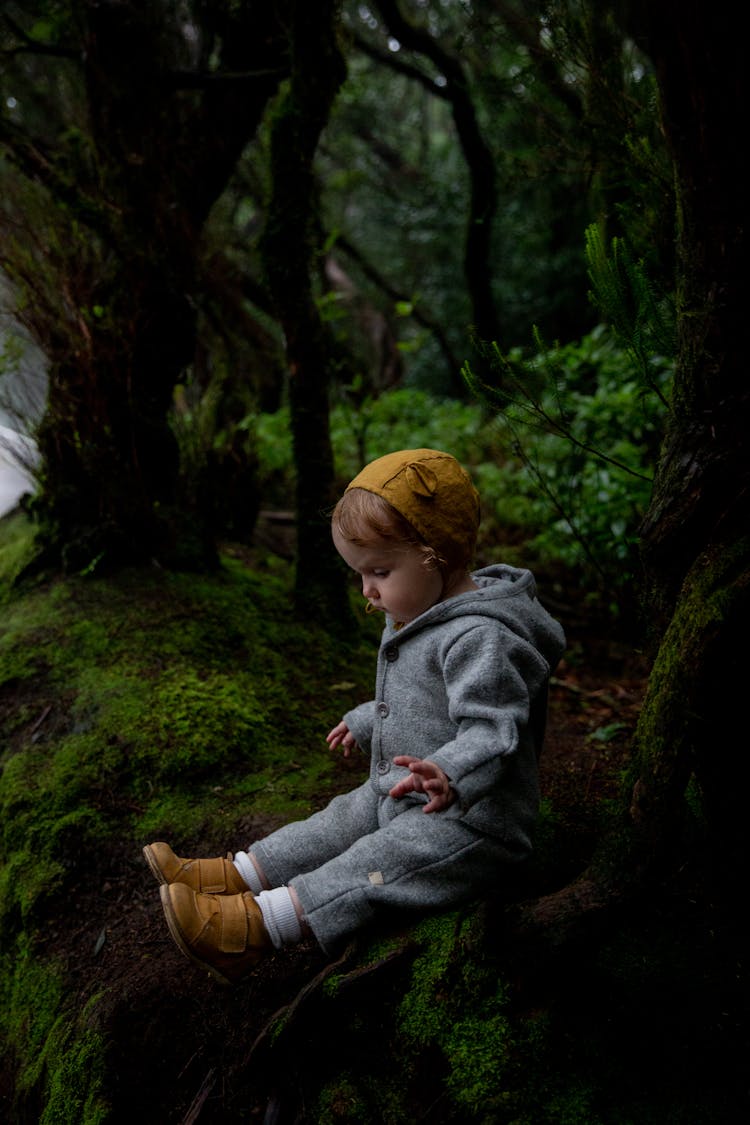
401, 788
424, 769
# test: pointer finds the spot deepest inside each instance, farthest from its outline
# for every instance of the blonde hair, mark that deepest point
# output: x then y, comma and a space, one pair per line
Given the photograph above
361, 517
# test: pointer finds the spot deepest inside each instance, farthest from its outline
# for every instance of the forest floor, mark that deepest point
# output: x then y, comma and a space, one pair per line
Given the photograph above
659, 996
114, 943
654, 997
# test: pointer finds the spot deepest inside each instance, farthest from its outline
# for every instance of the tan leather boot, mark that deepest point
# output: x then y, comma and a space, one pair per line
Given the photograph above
222, 933
212, 876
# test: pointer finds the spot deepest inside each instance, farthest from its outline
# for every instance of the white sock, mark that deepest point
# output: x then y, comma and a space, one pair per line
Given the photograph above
248, 871
280, 917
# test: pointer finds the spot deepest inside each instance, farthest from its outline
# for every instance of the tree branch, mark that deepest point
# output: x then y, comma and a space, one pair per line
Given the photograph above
479, 160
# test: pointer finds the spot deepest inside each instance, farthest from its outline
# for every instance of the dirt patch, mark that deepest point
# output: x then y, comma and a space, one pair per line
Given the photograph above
595, 700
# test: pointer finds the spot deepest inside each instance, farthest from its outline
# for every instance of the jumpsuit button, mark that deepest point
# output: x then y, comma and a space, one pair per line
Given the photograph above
391, 653
383, 766
383, 710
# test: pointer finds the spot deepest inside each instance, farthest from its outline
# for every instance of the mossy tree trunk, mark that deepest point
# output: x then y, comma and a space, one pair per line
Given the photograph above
155, 111
696, 537
288, 249
689, 775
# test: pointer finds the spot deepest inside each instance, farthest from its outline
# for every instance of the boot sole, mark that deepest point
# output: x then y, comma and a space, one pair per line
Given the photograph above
153, 863
179, 939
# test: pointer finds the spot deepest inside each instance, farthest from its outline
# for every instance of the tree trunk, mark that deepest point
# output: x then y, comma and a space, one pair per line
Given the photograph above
701, 488
695, 537
110, 459
688, 780
287, 249
169, 115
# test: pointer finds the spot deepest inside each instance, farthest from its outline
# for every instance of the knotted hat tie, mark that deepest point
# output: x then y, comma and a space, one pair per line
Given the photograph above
434, 493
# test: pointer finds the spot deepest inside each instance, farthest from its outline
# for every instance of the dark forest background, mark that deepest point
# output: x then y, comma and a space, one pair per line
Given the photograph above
246, 247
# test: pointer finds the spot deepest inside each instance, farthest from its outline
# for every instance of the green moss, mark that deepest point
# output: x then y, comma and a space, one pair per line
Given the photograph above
421, 1017
342, 1100
134, 705
55, 1051
494, 1064
459, 1008
173, 682
75, 1078
694, 657
31, 993
16, 550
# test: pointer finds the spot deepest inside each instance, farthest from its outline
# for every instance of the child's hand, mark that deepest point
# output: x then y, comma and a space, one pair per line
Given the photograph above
342, 736
424, 777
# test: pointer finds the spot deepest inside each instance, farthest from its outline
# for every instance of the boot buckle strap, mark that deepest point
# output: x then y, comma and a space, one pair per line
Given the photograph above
213, 876
234, 924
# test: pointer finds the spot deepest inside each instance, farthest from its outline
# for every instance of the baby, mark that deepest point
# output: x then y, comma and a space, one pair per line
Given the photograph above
453, 732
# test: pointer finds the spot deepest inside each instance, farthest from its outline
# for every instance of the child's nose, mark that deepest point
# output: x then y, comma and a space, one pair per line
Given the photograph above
369, 588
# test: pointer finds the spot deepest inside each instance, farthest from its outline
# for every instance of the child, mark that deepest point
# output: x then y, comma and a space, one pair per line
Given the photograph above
453, 733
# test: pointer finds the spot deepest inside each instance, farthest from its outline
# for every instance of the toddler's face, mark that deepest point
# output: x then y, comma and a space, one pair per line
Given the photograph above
395, 577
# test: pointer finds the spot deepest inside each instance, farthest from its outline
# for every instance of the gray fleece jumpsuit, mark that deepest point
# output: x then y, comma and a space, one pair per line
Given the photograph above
464, 685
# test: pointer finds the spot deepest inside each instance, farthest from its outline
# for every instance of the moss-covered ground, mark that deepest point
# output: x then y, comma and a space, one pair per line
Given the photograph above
154, 705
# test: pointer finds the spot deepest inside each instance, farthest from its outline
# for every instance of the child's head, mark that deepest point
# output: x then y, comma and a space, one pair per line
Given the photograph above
417, 497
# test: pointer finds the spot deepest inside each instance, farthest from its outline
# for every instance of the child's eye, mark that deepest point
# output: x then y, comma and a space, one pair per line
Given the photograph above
381, 573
